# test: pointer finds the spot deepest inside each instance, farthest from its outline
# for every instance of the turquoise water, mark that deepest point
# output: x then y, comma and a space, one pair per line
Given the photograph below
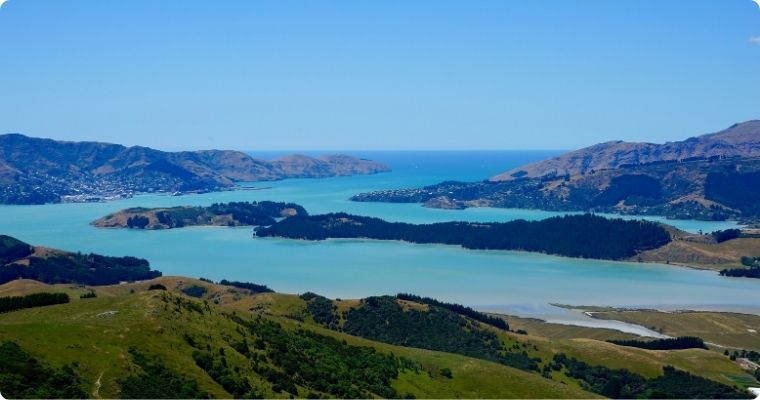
509, 281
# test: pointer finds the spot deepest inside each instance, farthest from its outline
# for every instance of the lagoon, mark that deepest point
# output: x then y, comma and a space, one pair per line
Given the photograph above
516, 282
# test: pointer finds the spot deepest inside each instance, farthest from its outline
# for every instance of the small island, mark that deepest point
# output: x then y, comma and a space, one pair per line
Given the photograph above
582, 236
218, 214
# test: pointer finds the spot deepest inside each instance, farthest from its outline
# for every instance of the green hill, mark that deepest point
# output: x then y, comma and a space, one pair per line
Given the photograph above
221, 348
136, 342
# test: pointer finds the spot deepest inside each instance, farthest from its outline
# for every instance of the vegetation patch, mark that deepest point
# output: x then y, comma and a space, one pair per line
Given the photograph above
12, 249
8, 304
24, 377
320, 363
321, 309
586, 236
726, 235
155, 381
251, 287
384, 320
457, 308
220, 214
624, 384
753, 270
633, 189
735, 189
679, 343
195, 291
86, 269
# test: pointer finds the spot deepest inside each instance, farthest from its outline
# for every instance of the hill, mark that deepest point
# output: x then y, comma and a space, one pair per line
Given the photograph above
712, 177
19, 260
151, 339
227, 214
738, 141
36, 171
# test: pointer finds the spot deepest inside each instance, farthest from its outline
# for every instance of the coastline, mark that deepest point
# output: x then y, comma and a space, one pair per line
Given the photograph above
496, 251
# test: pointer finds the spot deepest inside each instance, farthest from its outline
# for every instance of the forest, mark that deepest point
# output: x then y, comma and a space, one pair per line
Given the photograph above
726, 235
624, 384
319, 363
14, 303
679, 343
752, 272
232, 214
457, 308
736, 190
641, 190
384, 320
583, 236
85, 269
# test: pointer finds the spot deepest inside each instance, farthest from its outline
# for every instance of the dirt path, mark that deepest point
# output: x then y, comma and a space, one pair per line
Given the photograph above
96, 387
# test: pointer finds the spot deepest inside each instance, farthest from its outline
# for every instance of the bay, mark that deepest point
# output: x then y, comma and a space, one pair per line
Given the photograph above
516, 282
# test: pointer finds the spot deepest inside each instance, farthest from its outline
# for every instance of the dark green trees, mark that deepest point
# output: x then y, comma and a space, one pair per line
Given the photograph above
585, 236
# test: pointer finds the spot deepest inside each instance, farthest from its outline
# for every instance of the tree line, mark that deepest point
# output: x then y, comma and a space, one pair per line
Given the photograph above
679, 343
753, 270
14, 303
252, 287
624, 384
457, 308
85, 269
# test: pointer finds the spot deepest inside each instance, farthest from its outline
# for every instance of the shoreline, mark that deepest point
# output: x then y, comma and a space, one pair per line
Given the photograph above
622, 261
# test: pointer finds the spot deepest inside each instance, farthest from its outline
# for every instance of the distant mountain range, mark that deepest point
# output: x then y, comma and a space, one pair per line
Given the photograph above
711, 177
35, 171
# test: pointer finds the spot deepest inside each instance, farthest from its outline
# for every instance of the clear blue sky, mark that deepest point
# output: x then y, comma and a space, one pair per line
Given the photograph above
420, 74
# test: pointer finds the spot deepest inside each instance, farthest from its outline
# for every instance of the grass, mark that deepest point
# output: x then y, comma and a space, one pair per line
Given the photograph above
75, 332
704, 255
79, 332
731, 330
649, 363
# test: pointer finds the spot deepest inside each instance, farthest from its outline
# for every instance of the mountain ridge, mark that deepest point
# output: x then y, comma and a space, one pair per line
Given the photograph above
710, 177
40, 170
738, 140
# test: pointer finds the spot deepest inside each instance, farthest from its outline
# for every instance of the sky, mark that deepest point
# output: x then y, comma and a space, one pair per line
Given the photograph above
377, 75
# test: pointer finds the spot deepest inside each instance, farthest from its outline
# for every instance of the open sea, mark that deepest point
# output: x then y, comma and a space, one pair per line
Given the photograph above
513, 282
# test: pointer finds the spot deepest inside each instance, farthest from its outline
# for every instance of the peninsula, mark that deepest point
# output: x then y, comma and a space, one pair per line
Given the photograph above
37, 171
584, 236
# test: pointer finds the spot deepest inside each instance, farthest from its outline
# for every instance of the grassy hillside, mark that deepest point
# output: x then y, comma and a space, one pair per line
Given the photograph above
94, 337
130, 340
